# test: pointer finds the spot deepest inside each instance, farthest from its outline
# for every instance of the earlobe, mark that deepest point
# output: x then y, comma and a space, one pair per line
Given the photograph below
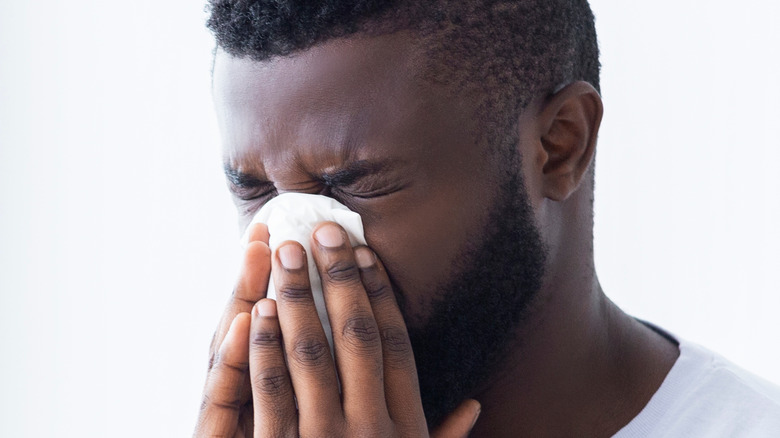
570, 123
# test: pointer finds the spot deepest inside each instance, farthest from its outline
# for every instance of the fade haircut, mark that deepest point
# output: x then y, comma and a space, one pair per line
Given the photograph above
504, 52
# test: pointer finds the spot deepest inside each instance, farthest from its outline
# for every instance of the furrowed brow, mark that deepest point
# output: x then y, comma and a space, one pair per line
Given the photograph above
353, 172
241, 179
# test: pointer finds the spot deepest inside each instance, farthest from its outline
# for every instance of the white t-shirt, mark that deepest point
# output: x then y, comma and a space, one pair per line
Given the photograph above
705, 395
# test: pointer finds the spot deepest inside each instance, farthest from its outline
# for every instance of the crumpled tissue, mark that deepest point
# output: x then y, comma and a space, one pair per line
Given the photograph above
293, 216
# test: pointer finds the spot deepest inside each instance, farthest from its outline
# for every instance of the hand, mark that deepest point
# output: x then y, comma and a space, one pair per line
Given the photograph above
287, 357
227, 393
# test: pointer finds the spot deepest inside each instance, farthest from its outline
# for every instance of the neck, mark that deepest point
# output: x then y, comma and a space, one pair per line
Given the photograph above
579, 367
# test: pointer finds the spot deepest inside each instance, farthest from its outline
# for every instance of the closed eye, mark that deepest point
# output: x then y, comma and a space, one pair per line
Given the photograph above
247, 187
367, 190
250, 201
364, 180
259, 197
368, 194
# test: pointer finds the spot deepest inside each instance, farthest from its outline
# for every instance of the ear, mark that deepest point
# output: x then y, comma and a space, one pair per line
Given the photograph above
569, 122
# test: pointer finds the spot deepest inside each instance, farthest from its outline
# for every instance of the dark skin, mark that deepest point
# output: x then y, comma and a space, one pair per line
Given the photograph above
580, 366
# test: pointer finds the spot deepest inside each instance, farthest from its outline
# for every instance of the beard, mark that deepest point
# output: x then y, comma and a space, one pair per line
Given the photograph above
473, 322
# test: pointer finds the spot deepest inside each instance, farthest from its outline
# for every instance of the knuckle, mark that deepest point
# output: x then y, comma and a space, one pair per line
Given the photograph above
396, 340
361, 331
272, 382
310, 352
231, 404
213, 347
378, 290
397, 347
215, 360
343, 272
220, 365
212, 360
238, 295
294, 293
267, 339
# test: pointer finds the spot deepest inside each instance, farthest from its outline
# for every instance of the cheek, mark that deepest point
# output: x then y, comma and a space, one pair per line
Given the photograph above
420, 245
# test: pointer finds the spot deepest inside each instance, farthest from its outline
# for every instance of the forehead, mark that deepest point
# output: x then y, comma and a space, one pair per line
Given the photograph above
336, 93
365, 62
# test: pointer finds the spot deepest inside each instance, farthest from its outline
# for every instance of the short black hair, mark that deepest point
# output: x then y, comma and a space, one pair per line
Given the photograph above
545, 42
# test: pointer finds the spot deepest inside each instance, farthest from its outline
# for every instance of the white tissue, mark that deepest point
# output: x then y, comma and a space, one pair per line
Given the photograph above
293, 216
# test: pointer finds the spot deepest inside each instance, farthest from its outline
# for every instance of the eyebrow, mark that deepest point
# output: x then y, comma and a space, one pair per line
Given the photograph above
241, 179
341, 177
352, 172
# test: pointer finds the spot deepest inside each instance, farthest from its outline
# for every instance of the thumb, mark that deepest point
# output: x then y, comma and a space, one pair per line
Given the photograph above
460, 422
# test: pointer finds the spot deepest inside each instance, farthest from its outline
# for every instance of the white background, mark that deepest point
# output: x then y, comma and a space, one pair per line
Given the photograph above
117, 237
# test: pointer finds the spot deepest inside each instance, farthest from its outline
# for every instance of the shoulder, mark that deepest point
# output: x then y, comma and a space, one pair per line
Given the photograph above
723, 389
706, 395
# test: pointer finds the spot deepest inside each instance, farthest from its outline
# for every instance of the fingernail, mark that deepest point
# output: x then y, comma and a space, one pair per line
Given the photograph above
265, 308
291, 256
230, 335
364, 257
329, 235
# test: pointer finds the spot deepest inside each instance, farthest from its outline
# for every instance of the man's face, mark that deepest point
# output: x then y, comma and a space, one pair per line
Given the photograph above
339, 109
355, 120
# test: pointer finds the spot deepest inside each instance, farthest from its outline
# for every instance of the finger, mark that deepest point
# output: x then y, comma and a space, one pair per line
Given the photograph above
460, 422
309, 361
222, 403
251, 286
272, 394
357, 346
402, 390
258, 233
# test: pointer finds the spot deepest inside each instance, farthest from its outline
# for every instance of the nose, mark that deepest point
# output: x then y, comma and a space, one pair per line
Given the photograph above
310, 188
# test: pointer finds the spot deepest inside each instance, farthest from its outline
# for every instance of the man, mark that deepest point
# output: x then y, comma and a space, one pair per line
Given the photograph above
463, 133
